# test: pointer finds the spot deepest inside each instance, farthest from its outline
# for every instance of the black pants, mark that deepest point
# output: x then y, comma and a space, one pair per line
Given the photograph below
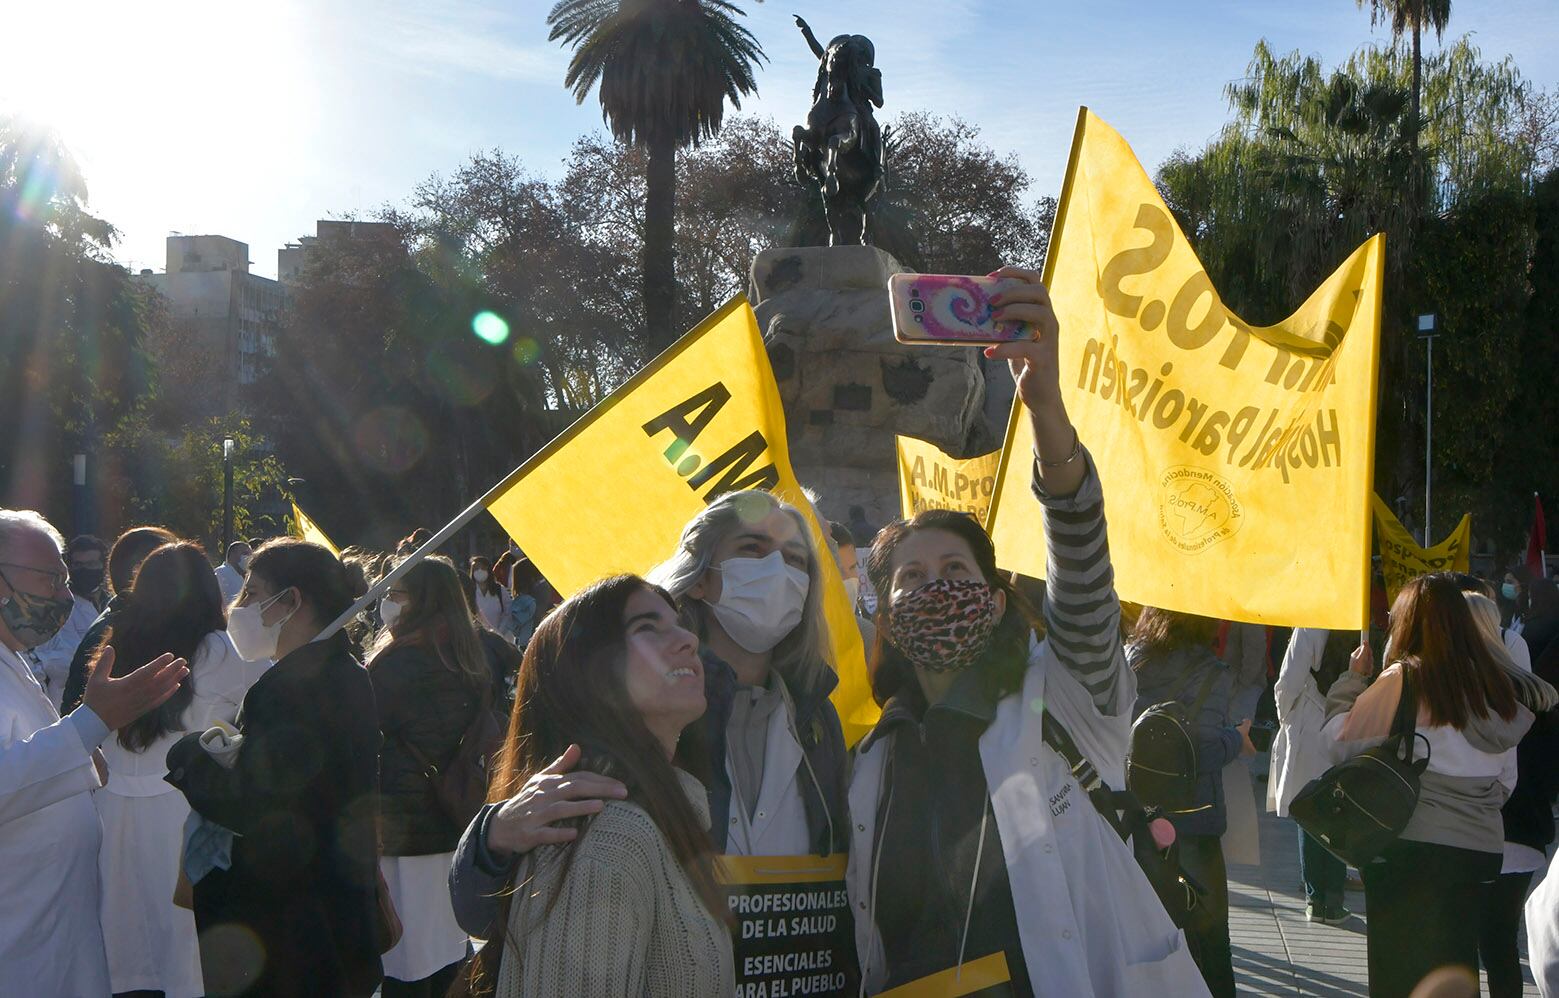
1424, 904
1207, 936
429, 987
1497, 941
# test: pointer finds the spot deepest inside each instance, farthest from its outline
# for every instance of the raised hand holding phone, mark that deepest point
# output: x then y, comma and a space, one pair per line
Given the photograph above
951, 310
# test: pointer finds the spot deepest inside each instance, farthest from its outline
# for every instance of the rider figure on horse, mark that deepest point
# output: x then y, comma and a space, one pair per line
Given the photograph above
840, 148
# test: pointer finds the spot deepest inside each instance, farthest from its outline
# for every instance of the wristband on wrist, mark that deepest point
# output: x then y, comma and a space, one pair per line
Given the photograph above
1077, 450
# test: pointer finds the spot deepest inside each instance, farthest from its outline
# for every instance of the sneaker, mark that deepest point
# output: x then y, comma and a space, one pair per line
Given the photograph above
1327, 916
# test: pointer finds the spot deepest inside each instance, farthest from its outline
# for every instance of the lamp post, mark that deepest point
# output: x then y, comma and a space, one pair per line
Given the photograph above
227, 494
79, 480
1428, 329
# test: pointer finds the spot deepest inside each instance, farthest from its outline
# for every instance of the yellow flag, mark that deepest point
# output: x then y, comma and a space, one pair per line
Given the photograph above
1236, 460
1401, 559
929, 479
309, 530
613, 492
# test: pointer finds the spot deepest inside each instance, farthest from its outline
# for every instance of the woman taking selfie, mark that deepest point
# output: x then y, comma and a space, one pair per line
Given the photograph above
972, 838
1426, 893
295, 912
623, 902
430, 676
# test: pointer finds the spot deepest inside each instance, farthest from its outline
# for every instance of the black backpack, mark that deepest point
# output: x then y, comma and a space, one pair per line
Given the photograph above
1161, 760
1182, 896
1359, 807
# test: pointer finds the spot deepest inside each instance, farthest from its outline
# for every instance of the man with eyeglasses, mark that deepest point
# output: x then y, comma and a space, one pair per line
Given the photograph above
85, 557
51, 941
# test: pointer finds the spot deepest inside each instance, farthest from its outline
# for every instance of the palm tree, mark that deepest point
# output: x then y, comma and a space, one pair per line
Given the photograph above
1414, 15
665, 69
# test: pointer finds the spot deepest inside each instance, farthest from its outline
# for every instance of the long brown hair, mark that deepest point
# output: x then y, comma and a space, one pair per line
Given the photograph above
1434, 634
1159, 632
438, 620
173, 603
572, 689
1002, 667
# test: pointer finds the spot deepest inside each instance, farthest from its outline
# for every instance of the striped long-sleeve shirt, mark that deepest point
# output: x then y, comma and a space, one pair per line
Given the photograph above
1082, 612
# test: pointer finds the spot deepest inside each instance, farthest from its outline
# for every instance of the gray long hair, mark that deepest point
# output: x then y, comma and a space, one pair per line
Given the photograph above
1530, 690
799, 657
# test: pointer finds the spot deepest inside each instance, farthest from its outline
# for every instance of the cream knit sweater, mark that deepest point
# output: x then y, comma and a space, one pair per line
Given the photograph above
626, 923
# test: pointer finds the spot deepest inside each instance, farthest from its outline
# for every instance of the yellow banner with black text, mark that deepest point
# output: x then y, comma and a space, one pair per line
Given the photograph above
929, 479
612, 493
1401, 557
1236, 460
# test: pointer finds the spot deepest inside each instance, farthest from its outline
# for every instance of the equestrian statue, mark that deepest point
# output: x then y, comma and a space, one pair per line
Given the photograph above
840, 148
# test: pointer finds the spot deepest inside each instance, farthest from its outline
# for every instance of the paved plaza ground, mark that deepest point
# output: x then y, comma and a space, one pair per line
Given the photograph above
1277, 952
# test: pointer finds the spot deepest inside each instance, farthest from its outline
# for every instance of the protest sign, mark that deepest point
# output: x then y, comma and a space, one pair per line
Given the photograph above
612, 493
1401, 557
793, 934
1236, 460
929, 479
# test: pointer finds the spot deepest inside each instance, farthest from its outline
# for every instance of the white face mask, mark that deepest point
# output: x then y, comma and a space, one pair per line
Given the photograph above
479, 575
254, 639
761, 600
388, 611
852, 589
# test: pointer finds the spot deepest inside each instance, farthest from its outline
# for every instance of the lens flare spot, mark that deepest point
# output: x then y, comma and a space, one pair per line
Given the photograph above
490, 327
461, 373
390, 439
526, 350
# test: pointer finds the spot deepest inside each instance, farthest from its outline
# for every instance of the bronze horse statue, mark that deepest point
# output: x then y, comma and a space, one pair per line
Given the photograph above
840, 148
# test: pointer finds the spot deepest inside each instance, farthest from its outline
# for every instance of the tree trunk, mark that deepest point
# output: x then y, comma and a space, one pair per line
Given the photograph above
660, 275
1418, 73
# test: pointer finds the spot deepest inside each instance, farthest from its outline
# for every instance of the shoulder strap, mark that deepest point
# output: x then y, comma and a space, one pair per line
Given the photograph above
1406, 720
1201, 694
1083, 771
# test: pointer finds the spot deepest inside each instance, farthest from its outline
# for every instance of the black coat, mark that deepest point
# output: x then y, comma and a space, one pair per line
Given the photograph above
302, 798
426, 705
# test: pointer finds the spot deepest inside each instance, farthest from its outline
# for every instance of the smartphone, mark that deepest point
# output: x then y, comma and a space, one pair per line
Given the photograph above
949, 310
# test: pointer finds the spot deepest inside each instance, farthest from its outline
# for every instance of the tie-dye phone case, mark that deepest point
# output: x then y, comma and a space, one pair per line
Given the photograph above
949, 310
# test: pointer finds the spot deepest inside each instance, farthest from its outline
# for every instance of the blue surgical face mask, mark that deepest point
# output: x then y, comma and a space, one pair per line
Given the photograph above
1509, 590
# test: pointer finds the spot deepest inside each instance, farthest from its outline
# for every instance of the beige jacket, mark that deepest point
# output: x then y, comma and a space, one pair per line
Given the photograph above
627, 921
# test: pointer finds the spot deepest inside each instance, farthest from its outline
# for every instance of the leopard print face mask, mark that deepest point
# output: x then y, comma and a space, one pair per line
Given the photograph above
944, 626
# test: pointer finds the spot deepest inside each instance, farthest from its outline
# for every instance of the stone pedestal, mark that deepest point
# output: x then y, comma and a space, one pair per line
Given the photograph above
848, 386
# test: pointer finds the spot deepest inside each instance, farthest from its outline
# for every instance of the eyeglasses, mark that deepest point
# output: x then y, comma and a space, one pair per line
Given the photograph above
396, 594
56, 579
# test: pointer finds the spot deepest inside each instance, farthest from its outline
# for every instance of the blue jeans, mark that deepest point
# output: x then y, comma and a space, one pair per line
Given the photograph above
1324, 874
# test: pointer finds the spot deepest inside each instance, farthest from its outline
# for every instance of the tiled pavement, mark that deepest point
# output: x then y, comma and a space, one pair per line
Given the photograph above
1277, 952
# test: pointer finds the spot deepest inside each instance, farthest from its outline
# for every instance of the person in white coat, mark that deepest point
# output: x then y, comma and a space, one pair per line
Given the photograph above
230, 574
173, 605
976, 848
1314, 658
51, 941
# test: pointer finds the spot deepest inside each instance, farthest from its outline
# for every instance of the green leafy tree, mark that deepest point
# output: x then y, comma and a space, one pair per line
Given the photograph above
665, 69
1412, 17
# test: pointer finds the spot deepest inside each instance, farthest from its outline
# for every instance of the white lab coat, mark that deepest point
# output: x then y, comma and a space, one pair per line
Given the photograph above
151, 943
1299, 751
1542, 917
230, 580
1089, 922
51, 660
50, 940
1517, 646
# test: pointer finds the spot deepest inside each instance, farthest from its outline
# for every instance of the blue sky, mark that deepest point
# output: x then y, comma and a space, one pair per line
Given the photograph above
253, 120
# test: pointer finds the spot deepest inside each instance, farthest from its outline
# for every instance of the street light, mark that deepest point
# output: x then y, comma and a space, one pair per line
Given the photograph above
1428, 329
79, 480
227, 494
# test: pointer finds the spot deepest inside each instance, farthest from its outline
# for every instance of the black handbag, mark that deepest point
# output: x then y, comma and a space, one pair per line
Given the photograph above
1359, 807
1182, 897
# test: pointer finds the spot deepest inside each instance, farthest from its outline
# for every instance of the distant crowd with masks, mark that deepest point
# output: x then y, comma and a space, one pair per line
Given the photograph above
248, 780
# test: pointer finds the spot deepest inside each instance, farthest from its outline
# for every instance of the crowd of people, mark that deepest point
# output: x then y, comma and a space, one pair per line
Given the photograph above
208, 788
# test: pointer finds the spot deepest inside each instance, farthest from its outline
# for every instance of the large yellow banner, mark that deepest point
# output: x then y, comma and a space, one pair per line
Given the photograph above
1401, 558
613, 492
929, 479
1236, 460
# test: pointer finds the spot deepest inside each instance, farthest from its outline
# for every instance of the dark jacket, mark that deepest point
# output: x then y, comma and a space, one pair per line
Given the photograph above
76, 681
702, 752
504, 660
427, 706
302, 797
1179, 675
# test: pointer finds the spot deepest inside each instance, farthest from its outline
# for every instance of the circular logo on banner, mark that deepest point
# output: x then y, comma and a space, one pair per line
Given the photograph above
1197, 508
